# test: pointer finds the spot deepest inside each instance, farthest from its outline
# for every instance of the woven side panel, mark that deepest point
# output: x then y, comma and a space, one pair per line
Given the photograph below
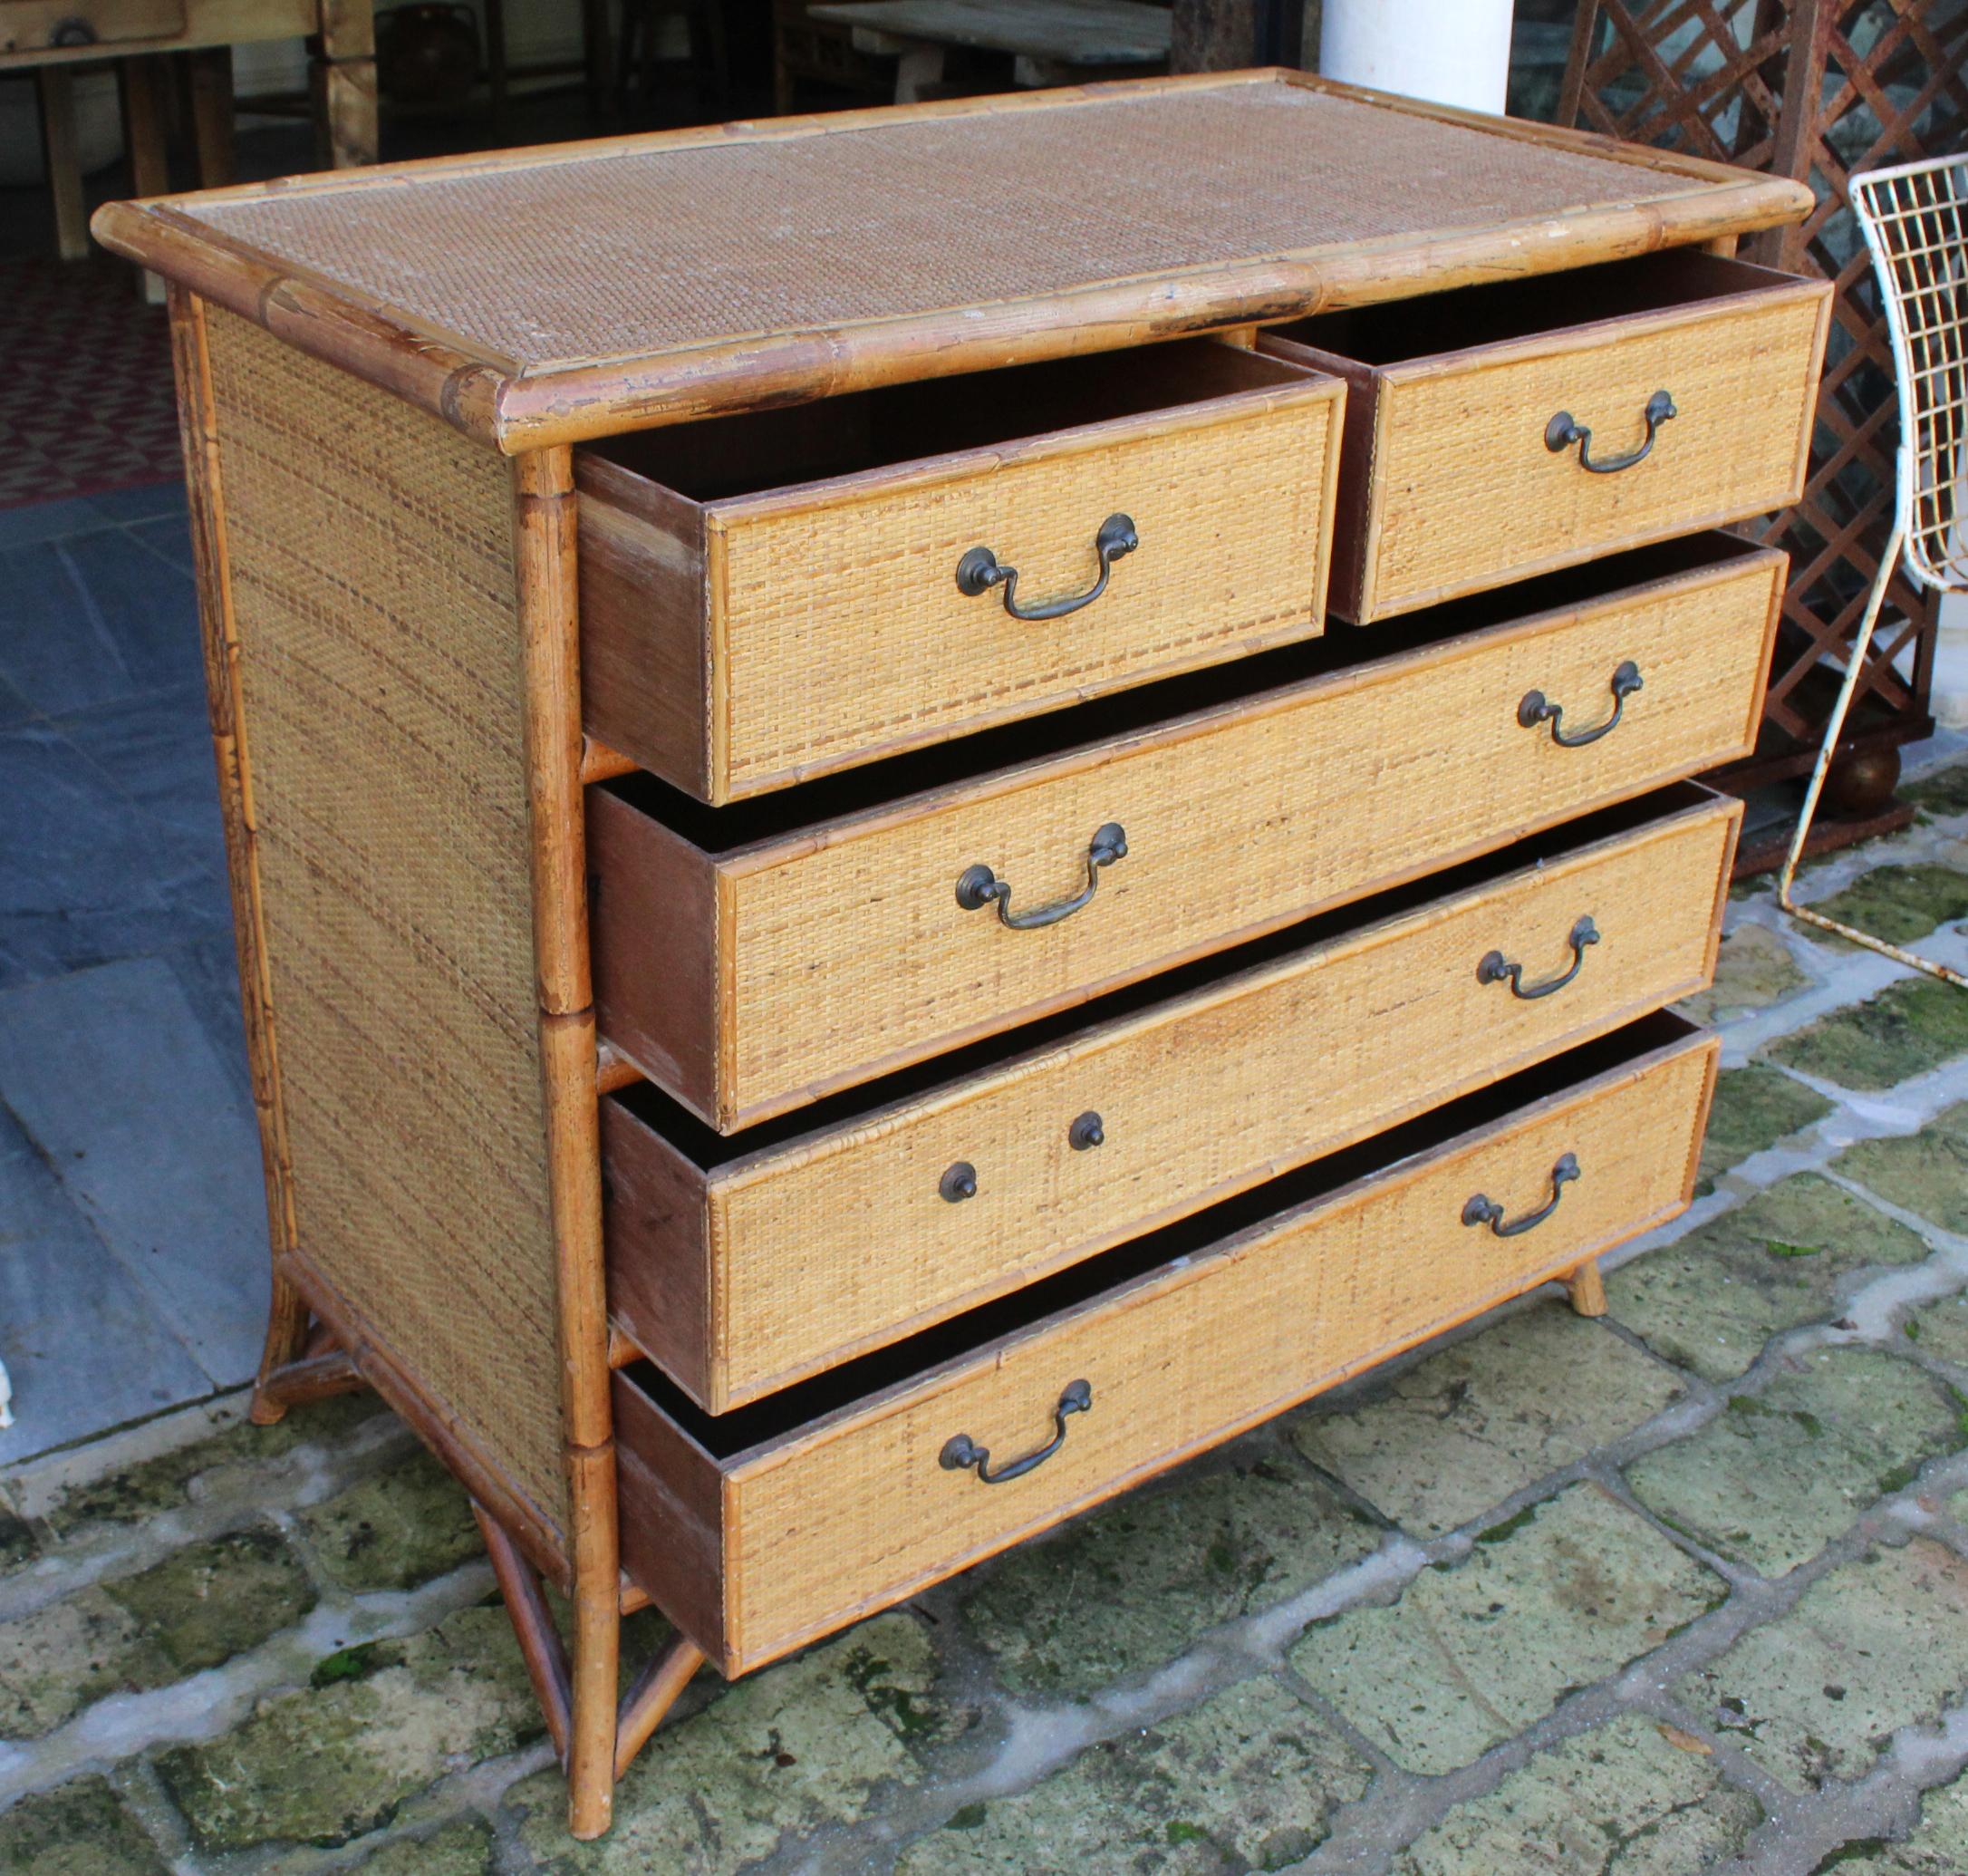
863, 1515
884, 648
859, 953
370, 556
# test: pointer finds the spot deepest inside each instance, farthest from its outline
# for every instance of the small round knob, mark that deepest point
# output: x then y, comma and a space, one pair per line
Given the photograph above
72, 31
1087, 1131
959, 1181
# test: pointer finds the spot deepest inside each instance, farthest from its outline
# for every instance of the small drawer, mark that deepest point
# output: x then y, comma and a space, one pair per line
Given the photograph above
1465, 462
768, 598
751, 959
743, 1266
759, 1529
33, 25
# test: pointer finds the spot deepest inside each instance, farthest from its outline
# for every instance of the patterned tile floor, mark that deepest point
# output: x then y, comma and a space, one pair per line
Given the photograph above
1684, 1590
133, 1214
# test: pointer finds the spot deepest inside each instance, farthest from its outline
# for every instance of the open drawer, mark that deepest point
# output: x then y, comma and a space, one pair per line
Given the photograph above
757, 1531
752, 959
743, 1265
770, 596
1496, 431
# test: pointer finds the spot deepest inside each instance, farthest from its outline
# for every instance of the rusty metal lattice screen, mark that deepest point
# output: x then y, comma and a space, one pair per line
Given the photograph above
1815, 90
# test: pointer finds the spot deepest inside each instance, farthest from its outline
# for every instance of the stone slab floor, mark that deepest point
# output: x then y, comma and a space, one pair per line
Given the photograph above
1683, 1590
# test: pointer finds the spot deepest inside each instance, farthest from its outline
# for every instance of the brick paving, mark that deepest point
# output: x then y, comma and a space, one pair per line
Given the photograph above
1684, 1590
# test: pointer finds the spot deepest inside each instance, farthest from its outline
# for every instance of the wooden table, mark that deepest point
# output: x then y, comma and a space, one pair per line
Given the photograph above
1051, 42
52, 37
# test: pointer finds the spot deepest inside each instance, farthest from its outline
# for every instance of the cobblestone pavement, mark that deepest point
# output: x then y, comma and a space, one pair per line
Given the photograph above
1681, 1589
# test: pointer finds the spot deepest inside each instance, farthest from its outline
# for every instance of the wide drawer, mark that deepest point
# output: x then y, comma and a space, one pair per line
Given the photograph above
752, 959
758, 1530
768, 597
743, 1266
1463, 466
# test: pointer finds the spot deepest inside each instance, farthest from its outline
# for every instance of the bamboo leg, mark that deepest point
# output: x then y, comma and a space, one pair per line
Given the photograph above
543, 512
1587, 1289
540, 1644
286, 1343
1854, 666
653, 1696
311, 1378
57, 85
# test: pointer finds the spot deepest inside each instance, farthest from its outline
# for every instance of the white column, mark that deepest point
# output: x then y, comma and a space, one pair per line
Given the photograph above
1951, 662
1449, 52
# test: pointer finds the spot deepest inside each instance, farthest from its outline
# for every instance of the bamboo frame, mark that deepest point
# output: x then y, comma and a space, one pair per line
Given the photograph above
318, 1341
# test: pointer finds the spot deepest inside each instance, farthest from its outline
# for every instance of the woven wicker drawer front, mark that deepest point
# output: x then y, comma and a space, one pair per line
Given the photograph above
1450, 484
739, 645
757, 1532
749, 982
805, 1252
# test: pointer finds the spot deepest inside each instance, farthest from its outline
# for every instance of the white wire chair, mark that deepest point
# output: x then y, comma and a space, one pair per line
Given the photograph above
1914, 218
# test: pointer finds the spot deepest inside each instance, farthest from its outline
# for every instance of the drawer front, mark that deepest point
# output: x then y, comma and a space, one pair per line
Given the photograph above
843, 635
1164, 509
32, 25
858, 1510
807, 1254
851, 953
1467, 495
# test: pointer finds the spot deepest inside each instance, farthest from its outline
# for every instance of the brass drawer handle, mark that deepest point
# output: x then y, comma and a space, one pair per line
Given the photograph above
1564, 430
1536, 709
978, 886
1496, 968
1480, 1210
979, 570
962, 1453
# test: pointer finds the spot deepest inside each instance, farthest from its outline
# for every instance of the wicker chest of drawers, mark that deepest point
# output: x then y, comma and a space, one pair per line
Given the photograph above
927, 807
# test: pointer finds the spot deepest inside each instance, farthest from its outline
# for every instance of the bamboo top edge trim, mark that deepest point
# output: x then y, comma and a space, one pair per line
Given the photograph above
545, 297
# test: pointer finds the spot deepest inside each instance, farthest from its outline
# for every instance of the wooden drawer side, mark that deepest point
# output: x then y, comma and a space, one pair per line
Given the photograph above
645, 686
856, 1512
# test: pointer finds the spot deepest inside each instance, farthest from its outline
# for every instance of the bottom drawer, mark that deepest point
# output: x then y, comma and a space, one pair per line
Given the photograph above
758, 1530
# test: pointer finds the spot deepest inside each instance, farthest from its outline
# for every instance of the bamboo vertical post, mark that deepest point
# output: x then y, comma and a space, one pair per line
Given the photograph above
288, 1317
545, 558
1586, 1288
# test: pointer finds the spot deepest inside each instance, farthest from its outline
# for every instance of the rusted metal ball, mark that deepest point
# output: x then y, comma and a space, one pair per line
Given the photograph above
1860, 783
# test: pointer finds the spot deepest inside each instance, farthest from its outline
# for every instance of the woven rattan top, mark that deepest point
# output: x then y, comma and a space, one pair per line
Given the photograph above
573, 290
